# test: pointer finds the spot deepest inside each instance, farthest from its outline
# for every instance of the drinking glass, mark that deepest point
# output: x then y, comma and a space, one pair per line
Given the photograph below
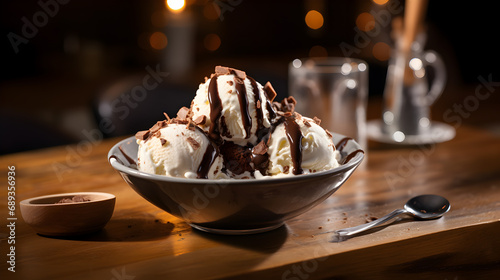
333, 89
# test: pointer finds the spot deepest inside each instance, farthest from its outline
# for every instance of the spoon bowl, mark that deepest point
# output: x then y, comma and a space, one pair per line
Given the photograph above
428, 206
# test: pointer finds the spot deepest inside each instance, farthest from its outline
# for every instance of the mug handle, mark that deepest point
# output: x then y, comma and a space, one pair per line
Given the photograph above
434, 60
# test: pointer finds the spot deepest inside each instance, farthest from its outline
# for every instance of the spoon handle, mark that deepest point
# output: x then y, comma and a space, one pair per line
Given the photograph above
357, 229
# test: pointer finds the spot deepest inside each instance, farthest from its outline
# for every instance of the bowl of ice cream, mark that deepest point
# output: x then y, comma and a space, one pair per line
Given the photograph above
236, 162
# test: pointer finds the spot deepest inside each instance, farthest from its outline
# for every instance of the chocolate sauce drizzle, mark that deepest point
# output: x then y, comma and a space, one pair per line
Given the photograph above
351, 156
342, 143
208, 159
242, 97
340, 147
258, 109
294, 136
215, 104
130, 160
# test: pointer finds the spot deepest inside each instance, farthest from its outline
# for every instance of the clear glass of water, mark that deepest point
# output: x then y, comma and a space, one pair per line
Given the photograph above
334, 89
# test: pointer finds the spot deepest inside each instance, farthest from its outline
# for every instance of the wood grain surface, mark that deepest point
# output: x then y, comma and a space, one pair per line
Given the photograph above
144, 242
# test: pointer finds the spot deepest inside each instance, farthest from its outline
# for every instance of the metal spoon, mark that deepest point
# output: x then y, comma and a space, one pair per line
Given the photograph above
423, 207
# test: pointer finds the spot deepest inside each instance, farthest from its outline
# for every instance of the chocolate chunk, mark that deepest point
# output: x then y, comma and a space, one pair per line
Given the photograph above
270, 92
163, 141
183, 113
190, 125
288, 104
260, 149
193, 143
142, 135
230, 83
222, 70
201, 120
158, 125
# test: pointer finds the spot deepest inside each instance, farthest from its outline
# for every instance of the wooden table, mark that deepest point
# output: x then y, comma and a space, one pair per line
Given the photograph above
143, 242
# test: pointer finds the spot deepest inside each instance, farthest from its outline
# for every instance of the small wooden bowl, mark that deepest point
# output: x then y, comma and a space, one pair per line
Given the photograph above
48, 217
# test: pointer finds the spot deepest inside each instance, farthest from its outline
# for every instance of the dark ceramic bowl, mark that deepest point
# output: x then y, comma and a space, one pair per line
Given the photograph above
235, 206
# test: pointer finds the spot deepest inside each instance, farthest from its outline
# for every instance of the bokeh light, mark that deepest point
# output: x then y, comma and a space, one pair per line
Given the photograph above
175, 6
158, 40
381, 51
380, 2
365, 22
212, 42
314, 19
318, 51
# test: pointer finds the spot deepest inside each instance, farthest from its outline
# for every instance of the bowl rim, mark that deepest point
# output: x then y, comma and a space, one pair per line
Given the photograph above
353, 163
102, 197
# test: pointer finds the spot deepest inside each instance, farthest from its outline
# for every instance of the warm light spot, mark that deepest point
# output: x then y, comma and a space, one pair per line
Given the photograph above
380, 2
211, 12
212, 42
314, 19
158, 40
175, 6
365, 22
381, 51
318, 51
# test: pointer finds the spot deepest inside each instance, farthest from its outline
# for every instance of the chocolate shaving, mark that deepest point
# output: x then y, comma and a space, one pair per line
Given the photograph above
317, 120
230, 83
270, 92
158, 125
260, 149
328, 133
166, 116
258, 104
193, 143
306, 123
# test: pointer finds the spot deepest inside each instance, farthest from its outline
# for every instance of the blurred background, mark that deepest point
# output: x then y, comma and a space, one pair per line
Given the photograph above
87, 70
